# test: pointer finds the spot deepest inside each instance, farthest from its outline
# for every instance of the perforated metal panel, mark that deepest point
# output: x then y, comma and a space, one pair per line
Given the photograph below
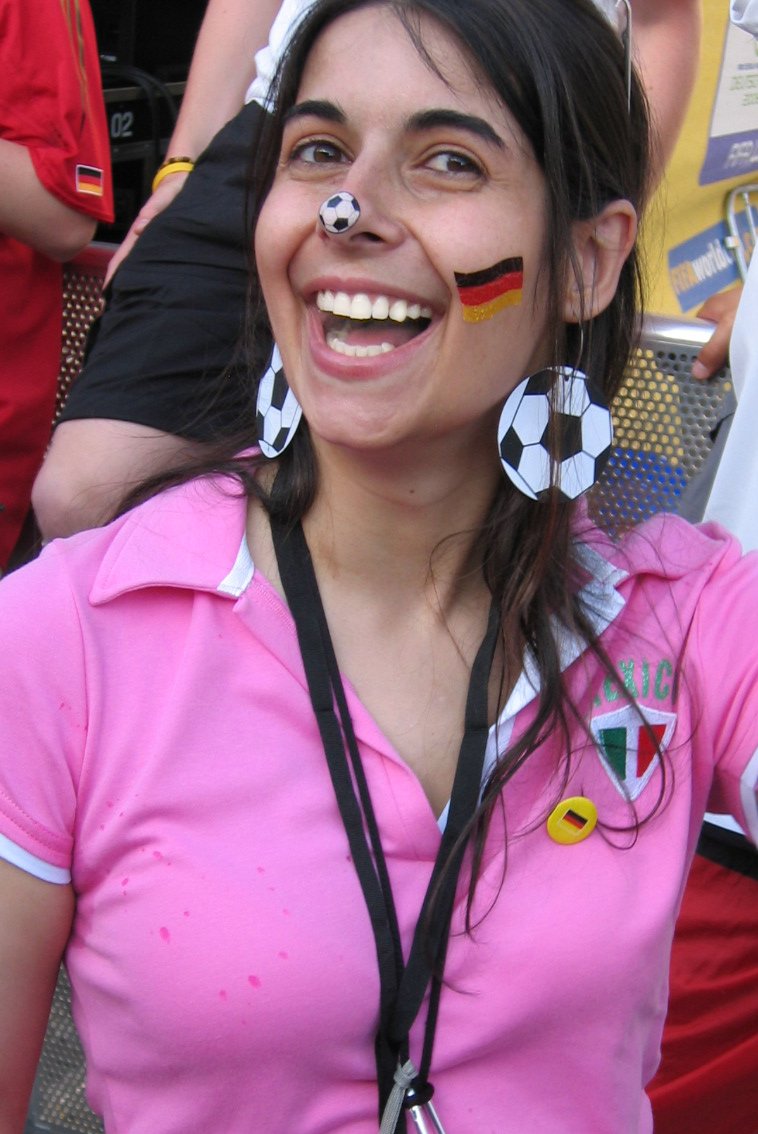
662, 421
82, 301
59, 1105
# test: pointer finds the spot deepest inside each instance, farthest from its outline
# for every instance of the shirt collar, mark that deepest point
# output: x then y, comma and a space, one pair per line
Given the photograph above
191, 537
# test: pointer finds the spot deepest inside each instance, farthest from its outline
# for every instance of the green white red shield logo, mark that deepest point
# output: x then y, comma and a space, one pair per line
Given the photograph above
629, 747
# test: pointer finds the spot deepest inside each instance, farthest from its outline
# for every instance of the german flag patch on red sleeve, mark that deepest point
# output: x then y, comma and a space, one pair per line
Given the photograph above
89, 179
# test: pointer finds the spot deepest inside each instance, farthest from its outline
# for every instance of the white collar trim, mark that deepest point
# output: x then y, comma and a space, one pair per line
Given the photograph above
241, 574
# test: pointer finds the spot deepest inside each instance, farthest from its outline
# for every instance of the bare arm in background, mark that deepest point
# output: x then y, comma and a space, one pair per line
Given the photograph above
35, 921
666, 47
29, 213
720, 309
222, 69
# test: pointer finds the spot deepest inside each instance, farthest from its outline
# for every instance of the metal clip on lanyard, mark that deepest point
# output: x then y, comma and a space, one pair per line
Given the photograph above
402, 986
417, 1100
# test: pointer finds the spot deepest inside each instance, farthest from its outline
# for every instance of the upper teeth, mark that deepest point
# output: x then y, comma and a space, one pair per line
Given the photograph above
360, 306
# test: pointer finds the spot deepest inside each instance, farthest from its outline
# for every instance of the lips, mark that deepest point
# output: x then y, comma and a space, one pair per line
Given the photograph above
362, 326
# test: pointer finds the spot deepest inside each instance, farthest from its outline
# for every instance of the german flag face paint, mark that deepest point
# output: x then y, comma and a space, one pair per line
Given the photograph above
485, 293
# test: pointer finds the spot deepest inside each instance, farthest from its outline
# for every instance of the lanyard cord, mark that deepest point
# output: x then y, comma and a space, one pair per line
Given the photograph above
402, 987
301, 589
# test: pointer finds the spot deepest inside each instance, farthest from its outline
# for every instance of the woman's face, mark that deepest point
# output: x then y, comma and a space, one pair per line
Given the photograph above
447, 258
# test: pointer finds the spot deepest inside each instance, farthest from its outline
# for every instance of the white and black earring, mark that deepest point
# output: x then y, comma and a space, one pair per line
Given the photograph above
554, 408
277, 410
339, 213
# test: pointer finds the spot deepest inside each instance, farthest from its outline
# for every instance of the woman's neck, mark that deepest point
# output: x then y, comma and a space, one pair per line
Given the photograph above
377, 518
406, 603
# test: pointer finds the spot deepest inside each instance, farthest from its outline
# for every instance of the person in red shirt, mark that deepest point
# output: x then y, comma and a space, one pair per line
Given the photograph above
56, 185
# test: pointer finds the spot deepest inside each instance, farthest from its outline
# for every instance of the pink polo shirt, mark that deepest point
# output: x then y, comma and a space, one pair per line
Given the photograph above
159, 743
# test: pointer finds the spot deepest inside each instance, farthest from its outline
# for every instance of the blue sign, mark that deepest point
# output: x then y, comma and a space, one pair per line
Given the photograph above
702, 266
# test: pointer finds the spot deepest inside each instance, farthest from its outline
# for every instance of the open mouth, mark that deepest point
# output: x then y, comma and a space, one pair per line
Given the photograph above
361, 327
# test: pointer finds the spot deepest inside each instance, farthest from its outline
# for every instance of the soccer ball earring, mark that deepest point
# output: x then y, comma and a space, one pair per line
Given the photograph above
576, 416
277, 411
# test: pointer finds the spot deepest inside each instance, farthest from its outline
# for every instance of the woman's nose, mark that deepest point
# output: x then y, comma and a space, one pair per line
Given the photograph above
365, 209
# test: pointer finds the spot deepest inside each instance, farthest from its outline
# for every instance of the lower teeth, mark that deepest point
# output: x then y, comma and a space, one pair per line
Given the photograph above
334, 342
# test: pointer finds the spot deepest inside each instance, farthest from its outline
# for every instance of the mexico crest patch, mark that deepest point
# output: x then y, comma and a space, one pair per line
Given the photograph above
628, 750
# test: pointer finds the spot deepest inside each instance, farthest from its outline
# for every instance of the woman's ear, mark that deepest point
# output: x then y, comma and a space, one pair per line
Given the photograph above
602, 245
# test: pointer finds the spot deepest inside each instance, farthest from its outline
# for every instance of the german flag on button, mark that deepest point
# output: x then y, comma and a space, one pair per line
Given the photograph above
572, 821
485, 293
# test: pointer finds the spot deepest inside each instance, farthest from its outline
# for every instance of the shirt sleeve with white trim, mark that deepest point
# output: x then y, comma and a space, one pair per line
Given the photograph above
43, 718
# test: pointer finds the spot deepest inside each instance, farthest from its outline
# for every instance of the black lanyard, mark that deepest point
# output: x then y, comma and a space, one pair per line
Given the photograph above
402, 986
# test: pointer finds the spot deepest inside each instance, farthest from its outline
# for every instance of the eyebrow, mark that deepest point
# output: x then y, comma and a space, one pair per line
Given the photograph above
431, 119
316, 108
416, 124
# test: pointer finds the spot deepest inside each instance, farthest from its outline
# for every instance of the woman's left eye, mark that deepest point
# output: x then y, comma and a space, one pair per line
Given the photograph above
452, 162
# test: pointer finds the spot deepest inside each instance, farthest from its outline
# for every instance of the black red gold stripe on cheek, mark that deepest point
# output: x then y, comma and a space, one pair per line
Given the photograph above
485, 293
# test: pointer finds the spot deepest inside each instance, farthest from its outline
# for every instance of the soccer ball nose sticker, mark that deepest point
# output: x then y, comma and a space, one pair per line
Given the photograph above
339, 213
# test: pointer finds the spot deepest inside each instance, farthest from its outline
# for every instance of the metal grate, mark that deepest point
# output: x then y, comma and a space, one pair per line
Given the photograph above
662, 420
82, 303
58, 1103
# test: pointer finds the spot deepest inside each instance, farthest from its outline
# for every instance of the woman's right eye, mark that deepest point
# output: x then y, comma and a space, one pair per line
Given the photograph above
317, 152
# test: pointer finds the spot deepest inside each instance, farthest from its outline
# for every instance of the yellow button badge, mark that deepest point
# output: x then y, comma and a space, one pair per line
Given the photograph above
572, 821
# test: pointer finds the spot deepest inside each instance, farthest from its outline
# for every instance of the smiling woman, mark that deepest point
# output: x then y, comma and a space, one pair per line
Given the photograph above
399, 828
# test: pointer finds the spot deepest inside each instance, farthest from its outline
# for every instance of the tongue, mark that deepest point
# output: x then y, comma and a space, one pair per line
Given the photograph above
374, 333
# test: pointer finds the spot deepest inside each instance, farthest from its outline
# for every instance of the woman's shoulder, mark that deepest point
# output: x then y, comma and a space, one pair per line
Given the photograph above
187, 536
688, 594
675, 578
668, 547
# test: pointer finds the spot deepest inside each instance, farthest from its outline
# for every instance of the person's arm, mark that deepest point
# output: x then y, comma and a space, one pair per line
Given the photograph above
720, 309
35, 922
222, 68
29, 213
666, 42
